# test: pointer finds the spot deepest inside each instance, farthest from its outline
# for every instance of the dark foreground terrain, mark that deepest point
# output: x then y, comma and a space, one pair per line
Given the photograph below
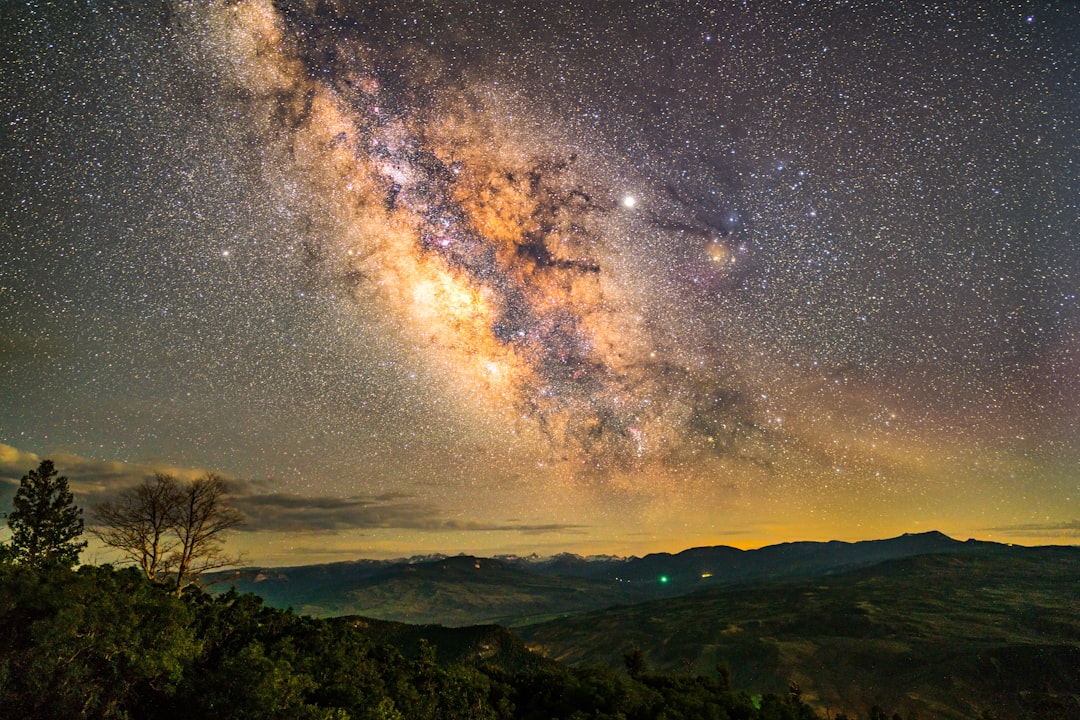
994, 633
98, 643
464, 590
924, 625
978, 631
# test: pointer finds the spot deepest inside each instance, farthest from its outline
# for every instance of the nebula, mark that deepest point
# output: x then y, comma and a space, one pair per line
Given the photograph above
658, 274
494, 246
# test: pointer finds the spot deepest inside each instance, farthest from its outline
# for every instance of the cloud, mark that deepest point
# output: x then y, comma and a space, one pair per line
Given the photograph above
287, 512
93, 481
1070, 528
90, 480
15, 463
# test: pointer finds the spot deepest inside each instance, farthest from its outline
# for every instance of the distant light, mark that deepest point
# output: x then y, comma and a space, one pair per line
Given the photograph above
629, 201
663, 578
706, 575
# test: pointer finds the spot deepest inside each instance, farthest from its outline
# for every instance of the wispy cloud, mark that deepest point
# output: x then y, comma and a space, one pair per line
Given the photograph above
264, 507
89, 478
1070, 528
292, 513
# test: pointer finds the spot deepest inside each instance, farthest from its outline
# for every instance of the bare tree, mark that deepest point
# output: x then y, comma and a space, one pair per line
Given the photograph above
139, 523
170, 529
201, 521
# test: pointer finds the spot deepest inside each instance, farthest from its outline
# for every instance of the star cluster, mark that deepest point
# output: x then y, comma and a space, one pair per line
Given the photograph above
638, 276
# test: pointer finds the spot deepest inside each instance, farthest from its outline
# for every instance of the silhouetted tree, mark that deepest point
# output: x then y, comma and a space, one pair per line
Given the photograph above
636, 662
139, 523
201, 520
723, 677
45, 522
169, 528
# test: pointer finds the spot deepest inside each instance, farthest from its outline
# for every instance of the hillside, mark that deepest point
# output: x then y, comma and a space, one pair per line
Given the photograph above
465, 590
947, 636
455, 591
101, 643
470, 645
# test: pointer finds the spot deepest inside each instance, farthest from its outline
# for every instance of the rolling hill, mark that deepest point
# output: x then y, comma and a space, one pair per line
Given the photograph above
994, 630
454, 591
511, 591
920, 624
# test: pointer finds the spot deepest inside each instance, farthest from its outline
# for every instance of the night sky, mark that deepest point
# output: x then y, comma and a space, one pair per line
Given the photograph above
548, 276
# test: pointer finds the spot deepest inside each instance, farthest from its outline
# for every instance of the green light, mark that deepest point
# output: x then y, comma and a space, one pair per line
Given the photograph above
663, 578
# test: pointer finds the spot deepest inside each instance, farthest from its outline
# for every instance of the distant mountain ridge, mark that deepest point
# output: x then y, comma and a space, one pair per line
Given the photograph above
466, 590
990, 631
921, 623
722, 563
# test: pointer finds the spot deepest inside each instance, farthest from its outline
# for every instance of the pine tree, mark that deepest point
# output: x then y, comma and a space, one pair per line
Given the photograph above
45, 522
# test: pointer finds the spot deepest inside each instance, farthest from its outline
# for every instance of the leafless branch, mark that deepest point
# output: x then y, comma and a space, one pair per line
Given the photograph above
201, 521
170, 529
139, 521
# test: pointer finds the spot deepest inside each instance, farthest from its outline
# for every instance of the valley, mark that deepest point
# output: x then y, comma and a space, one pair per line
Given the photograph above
922, 624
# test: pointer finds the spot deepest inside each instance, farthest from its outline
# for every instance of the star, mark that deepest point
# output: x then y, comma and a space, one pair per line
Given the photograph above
396, 250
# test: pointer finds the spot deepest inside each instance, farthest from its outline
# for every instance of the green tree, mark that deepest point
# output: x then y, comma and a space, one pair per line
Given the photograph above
45, 522
636, 662
96, 643
876, 713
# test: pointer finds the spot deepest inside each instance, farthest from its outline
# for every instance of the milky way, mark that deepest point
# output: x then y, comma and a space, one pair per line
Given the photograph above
672, 271
493, 244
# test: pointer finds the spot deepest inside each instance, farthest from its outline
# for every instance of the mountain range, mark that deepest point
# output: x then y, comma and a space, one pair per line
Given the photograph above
466, 590
922, 624
992, 633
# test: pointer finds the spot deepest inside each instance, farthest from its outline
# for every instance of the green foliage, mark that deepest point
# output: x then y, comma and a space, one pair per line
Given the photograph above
636, 664
92, 643
45, 522
106, 643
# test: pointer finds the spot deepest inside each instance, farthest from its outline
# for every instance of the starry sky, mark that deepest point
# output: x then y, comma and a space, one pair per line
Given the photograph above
616, 277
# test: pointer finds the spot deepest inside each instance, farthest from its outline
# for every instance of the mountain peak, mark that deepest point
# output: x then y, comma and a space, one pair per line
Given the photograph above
930, 534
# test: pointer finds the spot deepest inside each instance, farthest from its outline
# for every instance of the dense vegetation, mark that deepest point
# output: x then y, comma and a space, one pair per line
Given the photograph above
988, 633
513, 592
106, 643
998, 624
